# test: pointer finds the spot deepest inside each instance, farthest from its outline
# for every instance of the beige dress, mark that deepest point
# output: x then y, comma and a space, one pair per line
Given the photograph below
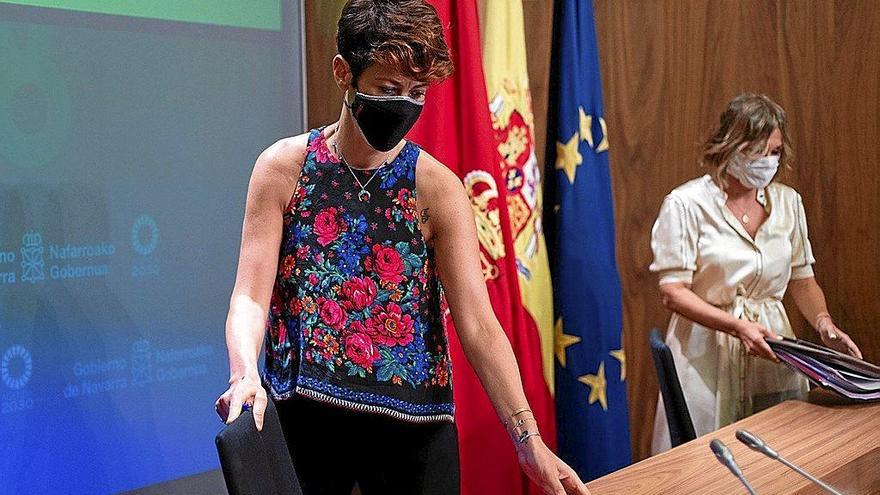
697, 240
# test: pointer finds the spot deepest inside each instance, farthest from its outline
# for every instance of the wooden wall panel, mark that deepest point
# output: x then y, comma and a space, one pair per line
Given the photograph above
538, 16
324, 98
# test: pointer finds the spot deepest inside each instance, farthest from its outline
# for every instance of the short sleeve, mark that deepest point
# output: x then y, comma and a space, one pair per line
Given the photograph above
801, 251
674, 242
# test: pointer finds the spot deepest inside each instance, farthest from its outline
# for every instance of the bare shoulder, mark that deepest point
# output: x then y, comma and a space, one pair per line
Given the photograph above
441, 197
435, 181
283, 156
277, 169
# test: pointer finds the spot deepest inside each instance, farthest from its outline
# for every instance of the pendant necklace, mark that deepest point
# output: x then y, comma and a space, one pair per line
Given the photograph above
744, 216
364, 195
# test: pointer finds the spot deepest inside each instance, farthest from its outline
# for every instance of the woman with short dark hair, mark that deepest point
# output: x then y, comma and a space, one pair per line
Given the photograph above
349, 230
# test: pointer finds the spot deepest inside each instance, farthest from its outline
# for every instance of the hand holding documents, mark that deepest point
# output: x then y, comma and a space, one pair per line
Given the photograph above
844, 374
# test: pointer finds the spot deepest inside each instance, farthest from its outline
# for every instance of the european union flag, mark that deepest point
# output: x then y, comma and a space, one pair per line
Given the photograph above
592, 416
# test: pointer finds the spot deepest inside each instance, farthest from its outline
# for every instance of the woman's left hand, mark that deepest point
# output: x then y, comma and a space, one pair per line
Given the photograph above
834, 338
548, 471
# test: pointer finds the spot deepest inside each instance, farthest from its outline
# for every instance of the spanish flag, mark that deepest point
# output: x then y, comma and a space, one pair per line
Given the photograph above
456, 128
513, 123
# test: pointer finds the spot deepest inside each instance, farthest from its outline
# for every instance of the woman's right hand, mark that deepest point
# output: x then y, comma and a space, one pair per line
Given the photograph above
752, 336
245, 389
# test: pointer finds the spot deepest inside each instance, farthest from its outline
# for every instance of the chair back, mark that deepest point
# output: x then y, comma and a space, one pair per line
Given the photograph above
681, 428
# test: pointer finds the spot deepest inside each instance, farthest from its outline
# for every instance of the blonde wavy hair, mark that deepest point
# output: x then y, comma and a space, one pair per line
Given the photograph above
743, 130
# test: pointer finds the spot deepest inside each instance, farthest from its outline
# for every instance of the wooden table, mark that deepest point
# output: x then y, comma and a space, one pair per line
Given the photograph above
839, 444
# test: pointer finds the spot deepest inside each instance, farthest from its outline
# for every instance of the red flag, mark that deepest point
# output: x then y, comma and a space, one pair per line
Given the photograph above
456, 128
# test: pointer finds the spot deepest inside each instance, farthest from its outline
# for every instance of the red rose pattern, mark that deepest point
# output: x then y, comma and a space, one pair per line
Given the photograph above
331, 313
328, 226
358, 293
387, 263
360, 349
390, 327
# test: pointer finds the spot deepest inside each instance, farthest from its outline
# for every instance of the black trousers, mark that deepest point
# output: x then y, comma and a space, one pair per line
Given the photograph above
334, 448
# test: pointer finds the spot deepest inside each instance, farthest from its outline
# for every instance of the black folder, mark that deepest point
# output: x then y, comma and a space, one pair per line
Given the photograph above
256, 462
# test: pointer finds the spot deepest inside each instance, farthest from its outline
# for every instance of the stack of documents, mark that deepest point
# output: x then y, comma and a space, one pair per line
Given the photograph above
844, 374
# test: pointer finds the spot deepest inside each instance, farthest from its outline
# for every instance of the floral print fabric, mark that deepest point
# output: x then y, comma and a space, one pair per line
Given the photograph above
357, 311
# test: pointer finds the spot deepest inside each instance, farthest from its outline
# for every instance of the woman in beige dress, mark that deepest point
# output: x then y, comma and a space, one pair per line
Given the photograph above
726, 248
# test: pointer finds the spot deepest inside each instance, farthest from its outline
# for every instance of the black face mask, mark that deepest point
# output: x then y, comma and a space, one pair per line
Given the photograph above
384, 120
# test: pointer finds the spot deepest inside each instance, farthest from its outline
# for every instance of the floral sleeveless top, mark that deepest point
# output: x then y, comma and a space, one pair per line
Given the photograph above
357, 311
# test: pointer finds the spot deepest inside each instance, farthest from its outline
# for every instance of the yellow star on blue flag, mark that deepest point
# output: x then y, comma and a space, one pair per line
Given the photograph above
597, 385
568, 157
620, 356
561, 341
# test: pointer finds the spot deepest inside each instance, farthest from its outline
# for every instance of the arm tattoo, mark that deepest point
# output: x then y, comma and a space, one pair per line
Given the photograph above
425, 216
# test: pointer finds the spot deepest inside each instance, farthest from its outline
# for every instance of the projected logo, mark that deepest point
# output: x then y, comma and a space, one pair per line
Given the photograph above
144, 240
16, 367
34, 100
144, 235
33, 267
145, 365
67, 261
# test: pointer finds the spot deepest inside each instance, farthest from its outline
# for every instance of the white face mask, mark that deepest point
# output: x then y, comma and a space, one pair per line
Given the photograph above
756, 174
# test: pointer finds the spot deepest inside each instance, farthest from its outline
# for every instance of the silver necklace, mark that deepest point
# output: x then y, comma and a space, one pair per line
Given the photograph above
364, 195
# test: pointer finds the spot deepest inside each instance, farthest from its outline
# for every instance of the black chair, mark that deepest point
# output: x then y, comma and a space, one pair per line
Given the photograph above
256, 462
681, 428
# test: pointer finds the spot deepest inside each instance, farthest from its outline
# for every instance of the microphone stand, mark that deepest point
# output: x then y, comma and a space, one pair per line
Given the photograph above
753, 442
725, 456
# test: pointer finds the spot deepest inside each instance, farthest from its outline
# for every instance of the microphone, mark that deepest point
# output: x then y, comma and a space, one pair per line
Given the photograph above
725, 456
754, 442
